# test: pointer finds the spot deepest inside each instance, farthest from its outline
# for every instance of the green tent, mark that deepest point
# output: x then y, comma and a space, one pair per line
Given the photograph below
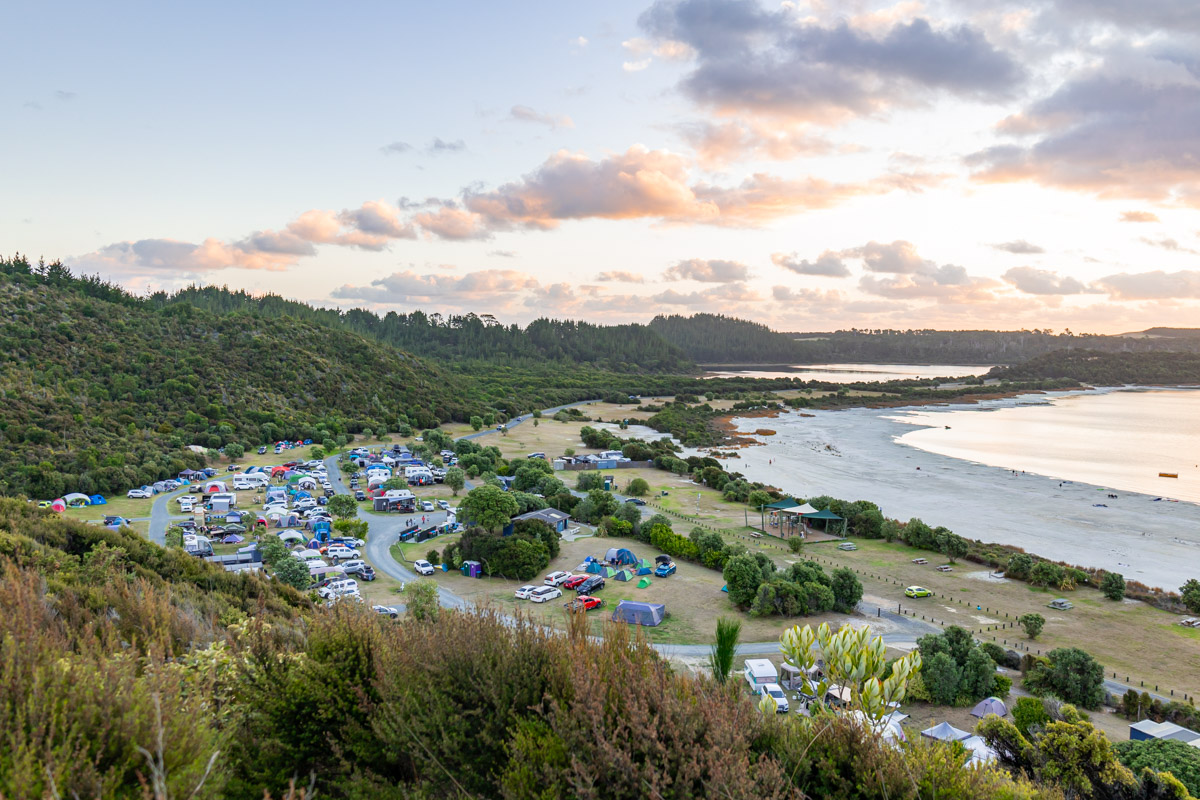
643, 583
609, 572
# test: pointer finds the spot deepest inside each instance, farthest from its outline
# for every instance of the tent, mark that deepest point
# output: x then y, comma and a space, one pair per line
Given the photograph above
609, 572
58, 505
643, 583
623, 575
945, 732
214, 486
643, 570
620, 556
594, 568
979, 750
233, 538
644, 564
649, 614
291, 536
992, 705
75, 499
98, 500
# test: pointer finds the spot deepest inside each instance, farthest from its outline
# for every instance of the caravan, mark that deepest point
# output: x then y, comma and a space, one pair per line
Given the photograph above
253, 480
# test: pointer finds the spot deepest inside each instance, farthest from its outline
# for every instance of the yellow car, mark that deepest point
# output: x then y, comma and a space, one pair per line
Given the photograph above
917, 591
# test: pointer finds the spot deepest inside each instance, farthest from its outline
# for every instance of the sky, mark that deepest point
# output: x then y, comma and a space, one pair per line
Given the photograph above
808, 165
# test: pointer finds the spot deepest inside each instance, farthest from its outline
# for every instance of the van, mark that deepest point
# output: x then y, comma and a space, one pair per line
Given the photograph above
759, 672
341, 551
186, 502
338, 587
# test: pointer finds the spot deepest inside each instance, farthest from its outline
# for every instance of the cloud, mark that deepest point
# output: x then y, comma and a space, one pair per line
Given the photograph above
1044, 282
717, 143
440, 146
33, 105
1167, 244
370, 227
715, 297
621, 276
777, 64
635, 66
527, 114
408, 287
503, 253
395, 147
1139, 216
1020, 247
65, 96
828, 300
580, 41
828, 264
1111, 135
1156, 285
170, 254
912, 276
455, 224
708, 271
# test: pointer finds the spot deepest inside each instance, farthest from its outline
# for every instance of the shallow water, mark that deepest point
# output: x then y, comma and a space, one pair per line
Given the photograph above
853, 373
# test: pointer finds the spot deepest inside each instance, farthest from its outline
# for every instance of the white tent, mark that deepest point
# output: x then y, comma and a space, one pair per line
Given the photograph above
305, 555
945, 732
307, 480
888, 729
77, 499
980, 752
291, 536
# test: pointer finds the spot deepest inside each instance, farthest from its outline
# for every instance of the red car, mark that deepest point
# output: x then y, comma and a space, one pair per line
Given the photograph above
571, 583
585, 602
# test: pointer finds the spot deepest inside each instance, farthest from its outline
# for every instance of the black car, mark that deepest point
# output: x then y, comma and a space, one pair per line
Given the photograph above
360, 495
321, 501
592, 584
262, 451
364, 571
637, 501
329, 492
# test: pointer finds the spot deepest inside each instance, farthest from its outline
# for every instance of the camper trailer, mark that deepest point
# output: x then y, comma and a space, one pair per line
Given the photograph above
759, 673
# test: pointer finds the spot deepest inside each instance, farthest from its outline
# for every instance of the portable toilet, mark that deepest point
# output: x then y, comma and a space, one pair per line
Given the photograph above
472, 569
759, 672
608, 481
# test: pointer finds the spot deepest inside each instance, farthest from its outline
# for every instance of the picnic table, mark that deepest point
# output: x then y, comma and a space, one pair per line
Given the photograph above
920, 561
945, 568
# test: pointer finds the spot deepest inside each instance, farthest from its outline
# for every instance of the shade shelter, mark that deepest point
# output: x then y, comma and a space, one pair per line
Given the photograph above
945, 732
75, 499
992, 705
58, 505
634, 613
828, 517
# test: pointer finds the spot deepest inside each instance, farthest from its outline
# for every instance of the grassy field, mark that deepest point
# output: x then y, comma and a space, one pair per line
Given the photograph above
1130, 638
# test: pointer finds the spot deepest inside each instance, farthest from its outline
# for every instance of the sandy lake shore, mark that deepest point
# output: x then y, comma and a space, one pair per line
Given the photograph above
853, 454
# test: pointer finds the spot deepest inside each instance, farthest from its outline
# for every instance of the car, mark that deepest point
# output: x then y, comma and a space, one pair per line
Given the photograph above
423, 567
583, 603
342, 551
776, 694
387, 611
115, 520
917, 591
443, 505
545, 594
363, 571
664, 570
557, 578
524, 592
637, 501
322, 500
360, 495
139, 494
349, 541
426, 505
262, 451
574, 581
592, 584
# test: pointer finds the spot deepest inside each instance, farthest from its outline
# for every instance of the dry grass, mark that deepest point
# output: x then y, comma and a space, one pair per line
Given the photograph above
1131, 638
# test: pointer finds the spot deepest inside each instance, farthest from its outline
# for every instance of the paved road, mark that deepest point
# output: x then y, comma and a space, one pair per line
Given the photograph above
161, 516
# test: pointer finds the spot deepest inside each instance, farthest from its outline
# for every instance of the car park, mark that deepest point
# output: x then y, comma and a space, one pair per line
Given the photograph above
423, 567
584, 603
917, 591
139, 494
387, 611
574, 581
592, 584
557, 578
523, 592
545, 594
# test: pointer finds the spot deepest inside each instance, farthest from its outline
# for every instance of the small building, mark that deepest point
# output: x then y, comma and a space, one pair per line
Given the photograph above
1149, 729
551, 516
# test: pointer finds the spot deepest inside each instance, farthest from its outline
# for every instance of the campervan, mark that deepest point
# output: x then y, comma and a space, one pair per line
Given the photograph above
759, 673
251, 480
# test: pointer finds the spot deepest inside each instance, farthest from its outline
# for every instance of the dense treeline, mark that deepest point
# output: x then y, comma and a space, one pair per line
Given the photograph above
717, 339
102, 393
1107, 369
467, 337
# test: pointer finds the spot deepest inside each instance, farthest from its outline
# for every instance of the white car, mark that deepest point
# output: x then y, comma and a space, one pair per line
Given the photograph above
526, 590
443, 505
781, 703
353, 542
545, 594
275, 508
305, 502
557, 578
342, 551
139, 494
426, 505
423, 567
387, 611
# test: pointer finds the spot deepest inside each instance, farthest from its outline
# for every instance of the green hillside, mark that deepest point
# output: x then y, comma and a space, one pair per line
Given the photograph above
103, 391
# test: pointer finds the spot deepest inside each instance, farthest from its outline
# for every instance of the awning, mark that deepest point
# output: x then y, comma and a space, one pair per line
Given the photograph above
826, 514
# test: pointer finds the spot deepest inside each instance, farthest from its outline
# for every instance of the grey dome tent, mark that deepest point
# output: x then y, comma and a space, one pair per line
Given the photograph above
620, 556
649, 614
992, 705
945, 732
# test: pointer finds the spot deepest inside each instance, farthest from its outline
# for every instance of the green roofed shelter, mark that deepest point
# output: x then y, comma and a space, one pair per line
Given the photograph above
828, 516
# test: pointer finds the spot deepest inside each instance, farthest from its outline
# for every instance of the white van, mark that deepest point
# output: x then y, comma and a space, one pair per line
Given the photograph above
186, 502
759, 673
251, 480
338, 587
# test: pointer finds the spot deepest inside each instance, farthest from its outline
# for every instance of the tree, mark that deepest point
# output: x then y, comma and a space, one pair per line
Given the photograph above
742, 576
1071, 675
293, 572
421, 600
1113, 586
433, 557
477, 422
978, 675
1029, 713
455, 479
317, 453
941, 677
273, 550
1032, 624
638, 487
847, 589
1019, 566
342, 506
953, 546
1190, 594
725, 648
234, 451
758, 498
1046, 574
1163, 755
588, 480
489, 507
606, 505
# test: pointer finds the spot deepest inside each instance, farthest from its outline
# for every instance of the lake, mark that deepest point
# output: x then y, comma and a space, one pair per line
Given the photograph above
1116, 439
852, 373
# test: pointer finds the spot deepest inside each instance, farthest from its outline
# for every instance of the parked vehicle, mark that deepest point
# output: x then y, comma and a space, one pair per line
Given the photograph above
387, 611
523, 592
360, 495
342, 551
760, 673
776, 693
361, 570
574, 581
422, 567
262, 451
584, 603
139, 494
557, 578
426, 506
545, 594
917, 591
665, 570
637, 501
334, 588
443, 505
592, 584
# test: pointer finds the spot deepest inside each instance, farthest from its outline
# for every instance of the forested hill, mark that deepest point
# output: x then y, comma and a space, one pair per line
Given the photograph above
102, 391
1108, 369
468, 337
716, 339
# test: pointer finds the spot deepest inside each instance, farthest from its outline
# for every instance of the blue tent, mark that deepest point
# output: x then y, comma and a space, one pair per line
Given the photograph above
649, 614
643, 571
97, 500
620, 556
594, 568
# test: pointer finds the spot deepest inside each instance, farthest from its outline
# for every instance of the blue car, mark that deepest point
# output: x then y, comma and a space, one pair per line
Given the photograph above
665, 569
